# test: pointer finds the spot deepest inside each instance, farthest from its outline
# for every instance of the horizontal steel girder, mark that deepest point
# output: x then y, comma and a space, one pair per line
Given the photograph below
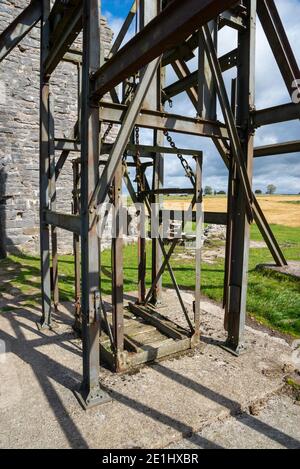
276, 114
226, 62
277, 149
63, 220
176, 22
110, 112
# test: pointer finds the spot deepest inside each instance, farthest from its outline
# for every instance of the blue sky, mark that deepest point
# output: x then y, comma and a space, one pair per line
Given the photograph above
117, 7
283, 171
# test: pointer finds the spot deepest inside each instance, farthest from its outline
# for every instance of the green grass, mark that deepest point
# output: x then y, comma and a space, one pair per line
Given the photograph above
273, 298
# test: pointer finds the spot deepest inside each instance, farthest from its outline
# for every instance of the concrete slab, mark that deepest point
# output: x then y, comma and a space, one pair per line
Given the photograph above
292, 269
275, 427
151, 408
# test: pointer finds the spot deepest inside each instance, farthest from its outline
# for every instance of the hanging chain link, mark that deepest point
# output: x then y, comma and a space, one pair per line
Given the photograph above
107, 132
187, 168
139, 172
167, 99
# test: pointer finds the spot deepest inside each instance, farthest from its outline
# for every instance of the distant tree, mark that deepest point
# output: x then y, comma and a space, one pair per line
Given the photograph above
215, 192
258, 192
271, 189
221, 193
208, 190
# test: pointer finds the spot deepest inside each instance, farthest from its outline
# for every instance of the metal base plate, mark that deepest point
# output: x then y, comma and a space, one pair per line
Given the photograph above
43, 326
236, 351
93, 399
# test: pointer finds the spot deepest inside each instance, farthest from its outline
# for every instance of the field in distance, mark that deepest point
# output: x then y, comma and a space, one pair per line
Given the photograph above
278, 209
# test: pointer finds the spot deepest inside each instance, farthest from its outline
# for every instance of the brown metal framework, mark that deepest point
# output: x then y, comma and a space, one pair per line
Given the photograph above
170, 34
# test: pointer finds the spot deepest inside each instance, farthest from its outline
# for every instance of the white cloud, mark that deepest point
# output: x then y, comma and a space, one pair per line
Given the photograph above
115, 23
283, 171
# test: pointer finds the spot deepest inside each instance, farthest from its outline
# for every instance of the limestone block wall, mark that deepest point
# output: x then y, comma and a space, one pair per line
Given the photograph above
19, 135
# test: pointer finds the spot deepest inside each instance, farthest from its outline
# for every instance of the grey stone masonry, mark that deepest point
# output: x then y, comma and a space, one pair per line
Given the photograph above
19, 135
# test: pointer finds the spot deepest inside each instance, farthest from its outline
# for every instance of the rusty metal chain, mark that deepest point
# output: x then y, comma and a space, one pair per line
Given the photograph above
131, 87
187, 168
107, 132
139, 172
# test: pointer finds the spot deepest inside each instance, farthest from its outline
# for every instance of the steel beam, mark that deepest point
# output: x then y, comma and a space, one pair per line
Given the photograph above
146, 151
76, 246
52, 201
275, 115
117, 267
44, 169
183, 51
211, 218
238, 229
235, 21
279, 43
226, 62
172, 25
149, 9
63, 220
149, 119
123, 137
198, 251
182, 70
21, 26
123, 31
207, 93
236, 147
90, 394
277, 149
63, 35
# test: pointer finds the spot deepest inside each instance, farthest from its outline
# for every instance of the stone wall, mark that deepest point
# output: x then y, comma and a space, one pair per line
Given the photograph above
19, 135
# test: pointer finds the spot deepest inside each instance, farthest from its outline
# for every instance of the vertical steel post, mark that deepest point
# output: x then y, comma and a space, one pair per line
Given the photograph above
54, 270
117, 268
90, 393
207, 97
148, 10
240, 228
44, 171
76, 246
76, 208
199, 221
230, 202
142, 260
157, 183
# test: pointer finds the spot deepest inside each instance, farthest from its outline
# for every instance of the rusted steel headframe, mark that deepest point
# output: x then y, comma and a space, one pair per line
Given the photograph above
170, 34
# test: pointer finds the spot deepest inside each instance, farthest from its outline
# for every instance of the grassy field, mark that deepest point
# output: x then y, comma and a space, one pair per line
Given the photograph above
278, 209
273, 299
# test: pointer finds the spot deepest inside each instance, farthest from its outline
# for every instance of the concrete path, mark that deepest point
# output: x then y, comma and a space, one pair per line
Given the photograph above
154, 407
